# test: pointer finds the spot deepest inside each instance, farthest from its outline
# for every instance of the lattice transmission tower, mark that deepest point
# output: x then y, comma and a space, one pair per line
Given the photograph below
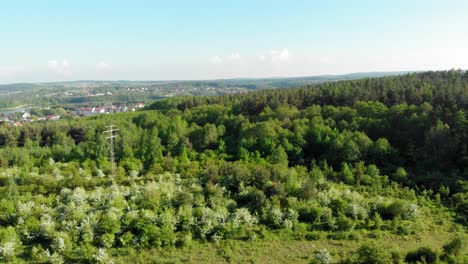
110, 131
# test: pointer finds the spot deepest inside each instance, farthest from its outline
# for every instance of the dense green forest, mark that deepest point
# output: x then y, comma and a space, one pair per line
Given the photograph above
362, 171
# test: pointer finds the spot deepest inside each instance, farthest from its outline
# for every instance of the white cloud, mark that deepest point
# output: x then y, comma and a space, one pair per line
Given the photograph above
325, 60
265, 63
59, 67
102, 66
9, 71
216, 60
234, 57
280, 55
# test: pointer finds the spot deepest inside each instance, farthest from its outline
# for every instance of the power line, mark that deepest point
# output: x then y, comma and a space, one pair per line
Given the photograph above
111, 137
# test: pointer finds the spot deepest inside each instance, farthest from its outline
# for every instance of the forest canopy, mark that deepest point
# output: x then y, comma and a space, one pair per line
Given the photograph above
368, 158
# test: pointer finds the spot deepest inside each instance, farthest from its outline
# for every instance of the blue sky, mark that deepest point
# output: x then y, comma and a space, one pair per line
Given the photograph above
204, 39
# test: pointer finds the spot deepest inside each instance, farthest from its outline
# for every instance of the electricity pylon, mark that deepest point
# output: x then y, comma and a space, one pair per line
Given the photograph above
111, 137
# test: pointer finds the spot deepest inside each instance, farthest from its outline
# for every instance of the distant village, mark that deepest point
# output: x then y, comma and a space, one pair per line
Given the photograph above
26, 116
90, 111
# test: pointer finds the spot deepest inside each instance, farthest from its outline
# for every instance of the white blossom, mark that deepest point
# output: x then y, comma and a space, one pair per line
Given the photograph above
24, 209
79, 196
357, 211
412, 212
100, 174
58, 244
323, 257
242, 216
134, 174
47, 225
101, 256
7, 250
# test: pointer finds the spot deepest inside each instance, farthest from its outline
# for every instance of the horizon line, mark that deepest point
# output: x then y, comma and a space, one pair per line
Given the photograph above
232, 78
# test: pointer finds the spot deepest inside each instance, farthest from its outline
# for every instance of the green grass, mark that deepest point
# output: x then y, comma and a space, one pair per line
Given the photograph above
283, 248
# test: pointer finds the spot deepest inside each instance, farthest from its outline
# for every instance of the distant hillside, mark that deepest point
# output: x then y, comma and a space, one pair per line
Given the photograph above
251, 83
17, 87
87, 92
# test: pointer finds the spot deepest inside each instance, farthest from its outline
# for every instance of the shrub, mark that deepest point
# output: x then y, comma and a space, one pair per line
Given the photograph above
394, 210
412, 212
422, 254
453, 247
372, 254
101, 256
184, 240
397, 257
313, 236
310, 213
344, 223
400, 175
7, 251
322, 257
405, 228
354, 235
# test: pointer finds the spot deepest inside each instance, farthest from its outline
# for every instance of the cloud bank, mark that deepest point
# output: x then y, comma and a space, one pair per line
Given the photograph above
59, 67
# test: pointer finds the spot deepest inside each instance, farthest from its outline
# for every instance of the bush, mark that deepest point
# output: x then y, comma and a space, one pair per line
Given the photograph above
184, 240
397, 257
310, 213
7, 251
313, 236
344, 223
354, 235
372, 254
422, 254
405, 228
322, 257
453, 247
393, 210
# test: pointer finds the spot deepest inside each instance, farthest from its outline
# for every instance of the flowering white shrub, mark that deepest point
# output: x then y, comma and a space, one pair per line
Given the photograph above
7, 250
167, 218
242, 216
54, 258
57, 174
357, 211
96, 196
79, 196
323, 199
58, 244
25, 209
134, 174
276, 216
221, 214
47, 225
290, 218
323, 257
101, 256
412, 212
206, 223
100, 174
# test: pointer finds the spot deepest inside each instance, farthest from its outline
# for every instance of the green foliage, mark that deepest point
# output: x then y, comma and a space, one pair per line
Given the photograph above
400, 175
372, 254
453, 247
330, 161
322, 257
422, 254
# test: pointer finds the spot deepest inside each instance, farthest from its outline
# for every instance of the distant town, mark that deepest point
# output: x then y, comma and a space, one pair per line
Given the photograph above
24, 115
